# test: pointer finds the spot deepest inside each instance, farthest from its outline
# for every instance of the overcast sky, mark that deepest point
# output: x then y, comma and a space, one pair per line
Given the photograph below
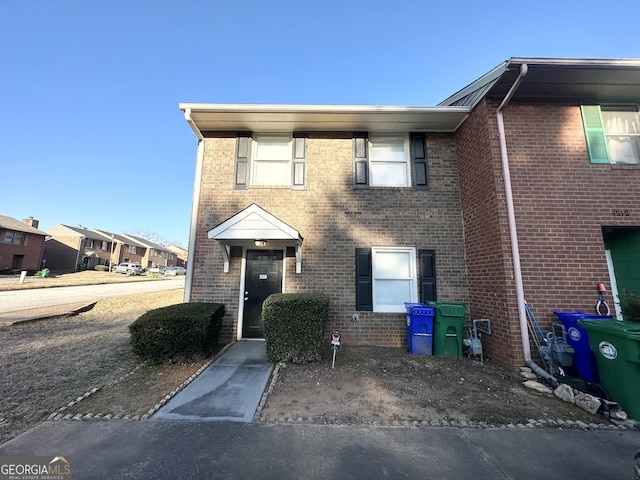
90, 130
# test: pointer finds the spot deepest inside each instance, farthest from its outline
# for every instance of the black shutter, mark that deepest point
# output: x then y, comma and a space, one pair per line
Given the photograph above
299, 173
427, 264
364, 297
419, 161
243, 155
360, 167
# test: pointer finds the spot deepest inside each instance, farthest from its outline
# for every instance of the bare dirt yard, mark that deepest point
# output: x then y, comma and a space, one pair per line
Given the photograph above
47, 365
377, 385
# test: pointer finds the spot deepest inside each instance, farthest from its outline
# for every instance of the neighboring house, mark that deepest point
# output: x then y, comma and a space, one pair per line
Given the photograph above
155, 255
126, 249
181, 255
495, 196
72, 248
21, 244
549, 164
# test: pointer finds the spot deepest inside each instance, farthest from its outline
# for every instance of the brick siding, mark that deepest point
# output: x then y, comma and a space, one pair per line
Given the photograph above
561, 204
335, 219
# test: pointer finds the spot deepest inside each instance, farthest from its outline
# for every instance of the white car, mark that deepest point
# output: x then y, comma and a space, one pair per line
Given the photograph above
173, 271
128, 268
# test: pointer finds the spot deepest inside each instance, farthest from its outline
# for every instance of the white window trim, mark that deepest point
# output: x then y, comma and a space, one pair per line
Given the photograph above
406, 161
413, 279
254, 159
611, 134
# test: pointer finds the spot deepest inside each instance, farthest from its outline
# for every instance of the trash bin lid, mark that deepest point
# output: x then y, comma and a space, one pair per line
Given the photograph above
450, 309
419, 309
612, 327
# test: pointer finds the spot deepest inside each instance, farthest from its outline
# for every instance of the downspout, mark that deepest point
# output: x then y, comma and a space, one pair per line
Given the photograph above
513, 233
195, 204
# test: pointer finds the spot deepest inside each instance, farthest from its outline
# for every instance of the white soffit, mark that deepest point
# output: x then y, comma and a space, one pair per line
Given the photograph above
322, 118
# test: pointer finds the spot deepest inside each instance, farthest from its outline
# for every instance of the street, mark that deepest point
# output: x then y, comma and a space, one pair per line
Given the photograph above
19, 300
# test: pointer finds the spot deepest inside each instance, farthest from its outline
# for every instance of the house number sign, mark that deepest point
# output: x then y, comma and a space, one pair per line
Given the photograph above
621, 213
336, 346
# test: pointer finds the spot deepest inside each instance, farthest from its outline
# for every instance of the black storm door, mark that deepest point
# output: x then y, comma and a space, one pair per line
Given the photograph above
263, 277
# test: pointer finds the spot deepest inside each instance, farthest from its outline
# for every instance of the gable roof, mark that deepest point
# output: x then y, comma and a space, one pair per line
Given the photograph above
9, 223
79, 231
597, 80
119, 238
254, 223
145, 242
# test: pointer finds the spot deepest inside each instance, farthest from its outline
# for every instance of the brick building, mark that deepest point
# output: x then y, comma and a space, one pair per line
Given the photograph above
71, 248
494, 195
21, 244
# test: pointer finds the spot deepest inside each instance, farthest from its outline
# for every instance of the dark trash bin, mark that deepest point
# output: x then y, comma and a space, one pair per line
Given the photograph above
616, 346
584, 360
419, 328
447, 329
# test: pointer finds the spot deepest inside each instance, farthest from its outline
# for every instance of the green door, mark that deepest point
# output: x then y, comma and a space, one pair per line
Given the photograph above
623, 245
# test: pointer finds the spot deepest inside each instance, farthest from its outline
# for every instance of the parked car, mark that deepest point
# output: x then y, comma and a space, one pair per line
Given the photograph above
156, 269
129, 268
173, 271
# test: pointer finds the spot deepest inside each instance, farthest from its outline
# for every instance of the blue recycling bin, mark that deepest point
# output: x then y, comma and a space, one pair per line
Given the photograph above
584, 360
419, 328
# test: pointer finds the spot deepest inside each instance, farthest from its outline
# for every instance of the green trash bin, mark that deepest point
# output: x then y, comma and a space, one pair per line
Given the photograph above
447, 329
616, 346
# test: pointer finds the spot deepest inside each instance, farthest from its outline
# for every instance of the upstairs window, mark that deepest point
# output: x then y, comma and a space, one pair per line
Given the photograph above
271, 160
613, 133
15, 238
131, 249
390, 161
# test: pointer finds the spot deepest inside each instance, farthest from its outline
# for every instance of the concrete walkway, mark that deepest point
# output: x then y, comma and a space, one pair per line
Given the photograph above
229, 389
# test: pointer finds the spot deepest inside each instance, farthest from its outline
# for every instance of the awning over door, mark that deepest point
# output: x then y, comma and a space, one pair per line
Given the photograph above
254, 227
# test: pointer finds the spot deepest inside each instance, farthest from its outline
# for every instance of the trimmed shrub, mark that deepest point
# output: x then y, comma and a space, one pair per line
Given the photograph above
101, 268
630, 306
177, 331
294, 326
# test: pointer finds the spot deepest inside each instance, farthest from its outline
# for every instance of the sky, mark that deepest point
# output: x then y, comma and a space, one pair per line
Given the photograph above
90, 129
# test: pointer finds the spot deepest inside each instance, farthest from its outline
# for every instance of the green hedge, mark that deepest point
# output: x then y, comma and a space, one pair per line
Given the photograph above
101, 268
294, 326
177, 331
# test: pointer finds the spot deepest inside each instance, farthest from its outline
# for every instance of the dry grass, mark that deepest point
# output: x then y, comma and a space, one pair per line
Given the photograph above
46, 364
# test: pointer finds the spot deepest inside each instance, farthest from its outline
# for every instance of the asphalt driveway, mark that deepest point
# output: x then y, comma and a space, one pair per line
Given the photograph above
174, 449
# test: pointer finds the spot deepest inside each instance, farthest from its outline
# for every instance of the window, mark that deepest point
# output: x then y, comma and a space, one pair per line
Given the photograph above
613, 133
16, 238
131, 249
389, 161
271, 160
88, 243
385, 278
105, 246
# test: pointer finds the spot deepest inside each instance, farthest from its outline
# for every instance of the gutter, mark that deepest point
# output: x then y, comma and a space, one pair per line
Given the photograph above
513, 233
195, 204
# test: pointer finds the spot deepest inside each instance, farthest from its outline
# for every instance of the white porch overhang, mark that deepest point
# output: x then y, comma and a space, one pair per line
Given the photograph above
254, 224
